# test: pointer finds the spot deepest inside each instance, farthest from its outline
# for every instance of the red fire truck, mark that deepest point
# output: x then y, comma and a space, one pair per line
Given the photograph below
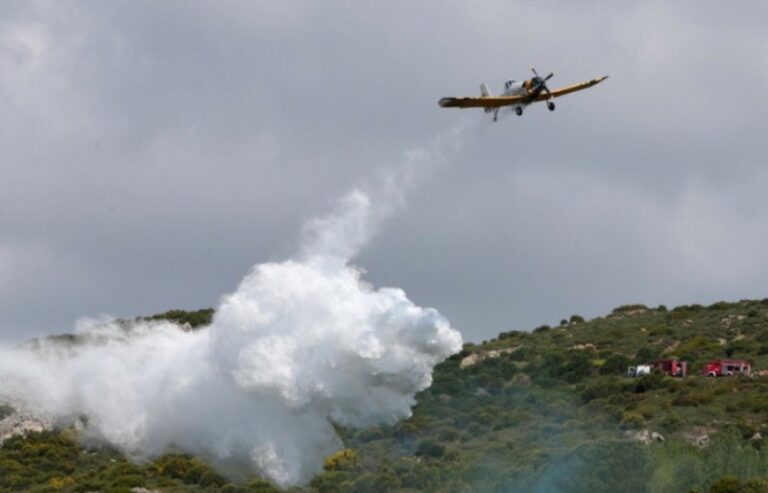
671, 367
727, 368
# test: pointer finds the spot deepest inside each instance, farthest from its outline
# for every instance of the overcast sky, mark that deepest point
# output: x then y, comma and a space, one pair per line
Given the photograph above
152, 152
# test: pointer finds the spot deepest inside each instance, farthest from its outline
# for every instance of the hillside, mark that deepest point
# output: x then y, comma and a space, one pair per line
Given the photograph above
547, 410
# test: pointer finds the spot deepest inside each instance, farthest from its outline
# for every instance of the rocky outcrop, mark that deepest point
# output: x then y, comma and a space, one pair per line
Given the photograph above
698, 436
21, 420
475, 358
645, 436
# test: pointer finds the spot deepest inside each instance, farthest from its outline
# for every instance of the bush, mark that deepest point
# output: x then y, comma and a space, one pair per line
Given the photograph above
645, 355
648, 382
722, 305
430, 448
616, 364
259, 485
628, 308
691, 399
728, 484
188, 470
741, 347
376, 483
449, 434
197, 318
601, 390
631, 419
343, 459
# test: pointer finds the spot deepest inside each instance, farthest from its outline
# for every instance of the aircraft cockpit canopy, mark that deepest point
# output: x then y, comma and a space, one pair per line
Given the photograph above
508, 84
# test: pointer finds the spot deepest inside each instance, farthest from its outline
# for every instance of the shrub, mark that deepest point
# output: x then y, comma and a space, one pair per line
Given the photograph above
645, 355
449, 434
616, 364
576, 319
742, 346
343, 459
430, 448
188, 470
628, 308
370, 434
699, 343
728, 484
197, 318
648, 382
631, 419
259, 485
691, 399
722, 305
6, 410
671, 422
376, 483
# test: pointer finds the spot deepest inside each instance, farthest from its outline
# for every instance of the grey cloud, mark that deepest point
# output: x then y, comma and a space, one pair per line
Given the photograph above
156, 151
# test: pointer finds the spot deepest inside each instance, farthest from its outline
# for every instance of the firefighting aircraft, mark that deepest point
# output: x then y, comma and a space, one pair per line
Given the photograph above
517, 95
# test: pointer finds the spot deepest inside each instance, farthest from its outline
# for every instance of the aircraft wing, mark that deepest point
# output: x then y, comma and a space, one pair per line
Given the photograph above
569, 89
499, 101
481, 102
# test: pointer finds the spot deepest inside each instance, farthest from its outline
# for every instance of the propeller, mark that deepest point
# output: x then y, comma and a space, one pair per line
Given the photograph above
540, 84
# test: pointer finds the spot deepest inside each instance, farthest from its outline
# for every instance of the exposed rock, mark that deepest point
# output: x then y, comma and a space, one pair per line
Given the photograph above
726, 322
22, 421
475, 358
645, 436
469, 360
638, 311
698, 436
581, 347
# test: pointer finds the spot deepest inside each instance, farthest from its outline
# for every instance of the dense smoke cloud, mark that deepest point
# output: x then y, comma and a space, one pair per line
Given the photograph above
301, 345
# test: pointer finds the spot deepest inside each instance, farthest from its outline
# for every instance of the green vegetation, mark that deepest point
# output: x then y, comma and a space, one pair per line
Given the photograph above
547, 410
55, 462
5, 410
195, 319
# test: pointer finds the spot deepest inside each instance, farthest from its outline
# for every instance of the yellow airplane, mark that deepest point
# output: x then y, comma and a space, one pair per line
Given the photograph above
517, 95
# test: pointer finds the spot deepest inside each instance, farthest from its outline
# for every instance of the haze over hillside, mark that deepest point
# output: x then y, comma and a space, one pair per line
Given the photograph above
548, 410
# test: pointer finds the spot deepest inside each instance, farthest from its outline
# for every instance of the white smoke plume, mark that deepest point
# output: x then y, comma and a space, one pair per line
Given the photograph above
299, 346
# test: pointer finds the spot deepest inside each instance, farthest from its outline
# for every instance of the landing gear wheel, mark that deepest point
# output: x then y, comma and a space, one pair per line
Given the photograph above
551, 106
519, 111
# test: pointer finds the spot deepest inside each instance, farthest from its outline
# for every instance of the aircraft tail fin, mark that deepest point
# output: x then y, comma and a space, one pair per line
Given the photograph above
486, 93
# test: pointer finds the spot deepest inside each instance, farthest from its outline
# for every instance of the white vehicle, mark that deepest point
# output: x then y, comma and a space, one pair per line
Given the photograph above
517, 95
638, 371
